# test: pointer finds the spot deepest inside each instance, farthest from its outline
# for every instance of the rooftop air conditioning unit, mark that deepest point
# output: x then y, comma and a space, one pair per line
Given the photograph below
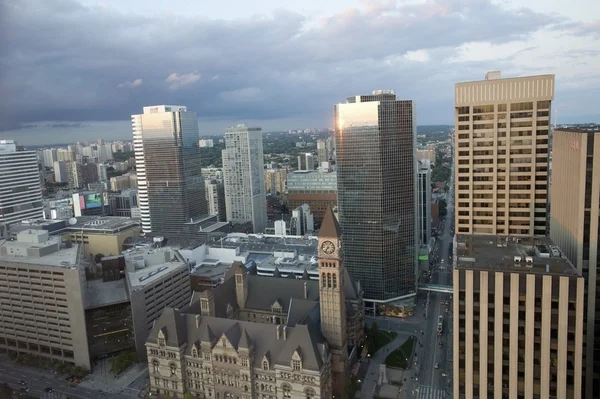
517, 260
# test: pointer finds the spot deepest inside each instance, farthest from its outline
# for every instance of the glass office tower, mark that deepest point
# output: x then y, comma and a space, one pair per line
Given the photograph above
376, 179
170, 184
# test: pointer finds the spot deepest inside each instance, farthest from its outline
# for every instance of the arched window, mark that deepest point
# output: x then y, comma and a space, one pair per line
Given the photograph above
156, 366
173, 368
287, 391
310, 393
265, 365
194, 352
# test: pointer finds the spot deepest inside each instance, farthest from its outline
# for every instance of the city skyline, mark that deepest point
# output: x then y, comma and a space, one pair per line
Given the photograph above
61, 81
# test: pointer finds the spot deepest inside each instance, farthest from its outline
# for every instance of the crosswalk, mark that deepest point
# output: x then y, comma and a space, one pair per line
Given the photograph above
427, 392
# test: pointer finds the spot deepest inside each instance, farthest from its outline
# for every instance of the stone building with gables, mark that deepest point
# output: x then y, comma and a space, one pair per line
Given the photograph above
263, 337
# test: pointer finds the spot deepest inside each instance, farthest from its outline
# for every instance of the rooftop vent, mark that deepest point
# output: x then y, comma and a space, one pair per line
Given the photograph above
517, 260
529, 259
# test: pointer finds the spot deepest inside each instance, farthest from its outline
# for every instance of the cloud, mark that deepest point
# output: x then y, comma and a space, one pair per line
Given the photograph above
417, 56
57, 62
176, 81
132, 84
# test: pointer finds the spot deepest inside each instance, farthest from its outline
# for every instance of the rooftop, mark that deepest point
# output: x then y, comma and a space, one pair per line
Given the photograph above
37, 248
146, 266
511, 254
104, 224
102, 293
90, 224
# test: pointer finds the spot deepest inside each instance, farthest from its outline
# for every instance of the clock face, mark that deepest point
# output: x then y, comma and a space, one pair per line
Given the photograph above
328, 247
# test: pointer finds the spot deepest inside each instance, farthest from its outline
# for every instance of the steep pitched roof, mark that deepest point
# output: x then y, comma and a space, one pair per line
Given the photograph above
263, 291
305, 275
263, 337
206, 334
330, 227
172, 323
245, 341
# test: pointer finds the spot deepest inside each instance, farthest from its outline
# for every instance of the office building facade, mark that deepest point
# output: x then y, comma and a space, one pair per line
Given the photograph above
20, 189
316, 189
501, 162
518, 319
376, 179
244, 178
575, 228
306, 161
215, 198
424, 202
41, 292
170, 184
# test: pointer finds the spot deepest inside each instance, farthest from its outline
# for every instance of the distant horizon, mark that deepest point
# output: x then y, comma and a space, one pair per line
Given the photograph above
86, 131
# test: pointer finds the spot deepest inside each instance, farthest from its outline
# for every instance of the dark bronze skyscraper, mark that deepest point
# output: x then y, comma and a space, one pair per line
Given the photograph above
170, 185
376, 169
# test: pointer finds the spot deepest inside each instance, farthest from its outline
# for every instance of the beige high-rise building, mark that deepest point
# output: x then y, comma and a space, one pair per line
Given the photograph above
518, 319
575, 228
501, 160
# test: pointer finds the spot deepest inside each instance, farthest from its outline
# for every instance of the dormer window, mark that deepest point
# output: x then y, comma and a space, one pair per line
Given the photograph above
224, 342
161, 342
265, 365
296, 365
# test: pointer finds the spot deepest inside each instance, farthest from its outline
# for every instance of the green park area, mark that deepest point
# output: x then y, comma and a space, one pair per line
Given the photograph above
376, 338
400, 358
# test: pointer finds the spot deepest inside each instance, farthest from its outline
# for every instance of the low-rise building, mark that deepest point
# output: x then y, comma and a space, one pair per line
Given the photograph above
41, 284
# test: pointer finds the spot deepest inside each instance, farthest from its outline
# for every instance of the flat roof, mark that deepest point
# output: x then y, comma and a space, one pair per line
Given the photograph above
536, 255
147, 275
211, 268
112, 224
65, 258
103, 293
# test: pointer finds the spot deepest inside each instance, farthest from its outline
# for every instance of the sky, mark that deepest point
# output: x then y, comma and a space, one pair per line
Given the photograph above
76, 70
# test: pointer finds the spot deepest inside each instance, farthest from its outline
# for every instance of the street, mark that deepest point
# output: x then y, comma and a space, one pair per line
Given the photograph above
424, 380
38, 380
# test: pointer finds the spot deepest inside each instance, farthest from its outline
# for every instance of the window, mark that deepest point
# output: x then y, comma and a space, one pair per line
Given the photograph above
296, 365
310, 393
287, 391
173, 369
155, 366
265, 365
206, 355
161, 342
224, 342
244, 362
194, 352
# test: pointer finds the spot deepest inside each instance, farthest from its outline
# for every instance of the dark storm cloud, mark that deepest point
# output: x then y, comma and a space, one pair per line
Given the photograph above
63, 61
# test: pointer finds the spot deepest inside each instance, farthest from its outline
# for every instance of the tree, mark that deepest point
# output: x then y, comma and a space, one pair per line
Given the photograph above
443, 208
351, 387
122, 362
5, 391
188, 395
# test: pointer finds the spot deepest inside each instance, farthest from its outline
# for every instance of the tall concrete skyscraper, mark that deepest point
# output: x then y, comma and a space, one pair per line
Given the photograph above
501, 162
575, 228
20, 189
376, 180
170, 183
517, 319
244, 177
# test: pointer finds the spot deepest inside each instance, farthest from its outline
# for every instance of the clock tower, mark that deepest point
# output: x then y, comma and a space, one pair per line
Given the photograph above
332, 298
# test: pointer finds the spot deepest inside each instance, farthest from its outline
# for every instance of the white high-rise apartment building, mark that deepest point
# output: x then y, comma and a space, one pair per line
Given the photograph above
169, 175
20, 189
243, 175
49, 156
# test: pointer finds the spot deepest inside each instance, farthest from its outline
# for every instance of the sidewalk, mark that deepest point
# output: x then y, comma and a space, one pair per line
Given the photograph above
102, 379
369, 384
